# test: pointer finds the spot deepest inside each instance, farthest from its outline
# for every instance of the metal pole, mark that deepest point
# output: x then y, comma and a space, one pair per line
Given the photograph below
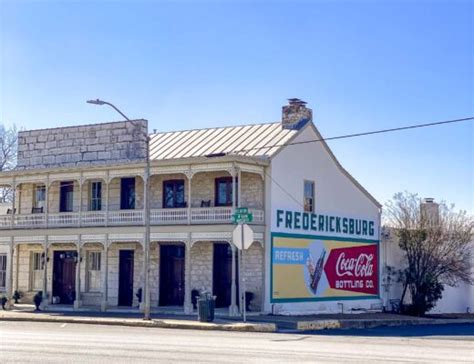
146, 309
242, 265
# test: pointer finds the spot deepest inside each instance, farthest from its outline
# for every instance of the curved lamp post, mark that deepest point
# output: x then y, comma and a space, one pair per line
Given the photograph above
146, 308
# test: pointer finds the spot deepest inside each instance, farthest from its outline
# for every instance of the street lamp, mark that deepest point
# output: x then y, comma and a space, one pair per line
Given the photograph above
146, 308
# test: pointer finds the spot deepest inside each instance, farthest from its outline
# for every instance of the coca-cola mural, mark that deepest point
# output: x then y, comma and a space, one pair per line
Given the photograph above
312, 268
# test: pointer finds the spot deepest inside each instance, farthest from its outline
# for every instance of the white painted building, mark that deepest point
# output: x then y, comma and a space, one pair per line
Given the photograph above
76, 226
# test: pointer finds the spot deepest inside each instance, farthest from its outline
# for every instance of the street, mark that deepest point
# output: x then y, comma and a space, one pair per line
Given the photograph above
28, 342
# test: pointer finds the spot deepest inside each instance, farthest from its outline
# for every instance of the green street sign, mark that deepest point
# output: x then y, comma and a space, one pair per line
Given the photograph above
241, 210
239, 218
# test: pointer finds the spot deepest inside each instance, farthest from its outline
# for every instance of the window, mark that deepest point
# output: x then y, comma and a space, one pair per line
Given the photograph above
127, 194
93, 271
66, 196
308, 196
37, 265
95, 196
224, 191
39, 196
3, 271
173, 193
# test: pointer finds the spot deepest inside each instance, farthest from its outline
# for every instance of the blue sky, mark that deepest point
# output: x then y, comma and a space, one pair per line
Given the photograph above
361, 65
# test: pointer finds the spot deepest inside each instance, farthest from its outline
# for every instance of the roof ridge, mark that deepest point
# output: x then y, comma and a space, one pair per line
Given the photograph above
209, 128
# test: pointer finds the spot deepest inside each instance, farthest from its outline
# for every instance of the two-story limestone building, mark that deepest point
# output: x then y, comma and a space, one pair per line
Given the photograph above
76, 226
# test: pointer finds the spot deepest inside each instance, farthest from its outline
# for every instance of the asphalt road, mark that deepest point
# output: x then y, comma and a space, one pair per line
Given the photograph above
28, 342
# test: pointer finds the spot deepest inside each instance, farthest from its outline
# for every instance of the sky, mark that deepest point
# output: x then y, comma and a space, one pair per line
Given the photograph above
360, 65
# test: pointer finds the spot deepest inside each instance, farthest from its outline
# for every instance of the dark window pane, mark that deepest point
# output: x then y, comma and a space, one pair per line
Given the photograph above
127, 194
66, 196
173, 193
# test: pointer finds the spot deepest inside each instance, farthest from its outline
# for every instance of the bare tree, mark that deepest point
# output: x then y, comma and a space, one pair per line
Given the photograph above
437, 246
8, 149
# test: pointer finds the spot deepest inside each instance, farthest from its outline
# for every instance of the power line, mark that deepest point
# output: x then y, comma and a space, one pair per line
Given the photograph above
346, 136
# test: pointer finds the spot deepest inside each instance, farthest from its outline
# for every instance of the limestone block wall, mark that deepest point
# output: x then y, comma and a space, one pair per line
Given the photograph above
25, 198
83, 145
201, 265
253, 260
252, 190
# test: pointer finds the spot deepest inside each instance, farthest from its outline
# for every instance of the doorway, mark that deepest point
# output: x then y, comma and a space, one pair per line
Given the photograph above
172, 275
222, 274
125, 296
64, 276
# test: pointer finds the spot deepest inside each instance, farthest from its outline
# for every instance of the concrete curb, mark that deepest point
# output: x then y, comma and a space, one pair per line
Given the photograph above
366, 324
168, 324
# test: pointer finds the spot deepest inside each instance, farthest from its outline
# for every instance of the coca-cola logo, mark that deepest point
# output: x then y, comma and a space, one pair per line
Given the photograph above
353, 268
362, 266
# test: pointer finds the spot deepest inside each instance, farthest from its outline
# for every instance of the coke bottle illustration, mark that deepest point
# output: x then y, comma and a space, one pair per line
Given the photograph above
318, 272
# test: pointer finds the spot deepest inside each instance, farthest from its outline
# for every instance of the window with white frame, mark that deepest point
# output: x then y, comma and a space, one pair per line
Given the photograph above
95, 196
37, 266
3, 272
93, 271
39, 196
309, 196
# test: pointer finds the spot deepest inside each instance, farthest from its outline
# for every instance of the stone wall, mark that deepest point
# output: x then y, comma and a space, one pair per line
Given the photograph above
253, 259
108, 143
201, 265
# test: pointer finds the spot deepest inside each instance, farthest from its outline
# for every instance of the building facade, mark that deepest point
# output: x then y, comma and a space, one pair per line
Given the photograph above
76, 226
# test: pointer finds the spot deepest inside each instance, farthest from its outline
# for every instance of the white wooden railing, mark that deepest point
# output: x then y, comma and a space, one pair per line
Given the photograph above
178, 216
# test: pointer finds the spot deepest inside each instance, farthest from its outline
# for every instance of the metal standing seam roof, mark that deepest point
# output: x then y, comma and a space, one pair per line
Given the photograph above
249, 140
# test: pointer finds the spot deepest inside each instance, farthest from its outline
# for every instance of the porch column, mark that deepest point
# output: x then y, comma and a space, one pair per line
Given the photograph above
80, 200
234, 190
188, 306
9, 282
233, 288
46, 201
143, 285
107, 199
105, 273
77, 301
13, 203
44, 302
239, 188
190, 176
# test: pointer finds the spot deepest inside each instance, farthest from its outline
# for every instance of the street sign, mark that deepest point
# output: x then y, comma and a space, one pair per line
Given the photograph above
242, 239
242, 218
241, 210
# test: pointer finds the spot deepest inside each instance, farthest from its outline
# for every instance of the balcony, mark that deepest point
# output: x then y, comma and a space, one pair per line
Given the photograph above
178, 216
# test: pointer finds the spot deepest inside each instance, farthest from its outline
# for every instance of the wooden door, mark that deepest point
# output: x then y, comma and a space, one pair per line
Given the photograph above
172, 275
125, 297
222, 274
64, 276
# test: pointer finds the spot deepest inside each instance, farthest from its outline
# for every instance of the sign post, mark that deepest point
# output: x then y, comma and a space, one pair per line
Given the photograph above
242, 238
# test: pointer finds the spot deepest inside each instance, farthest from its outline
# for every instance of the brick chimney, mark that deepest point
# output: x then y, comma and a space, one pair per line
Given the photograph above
295, 115
429, 211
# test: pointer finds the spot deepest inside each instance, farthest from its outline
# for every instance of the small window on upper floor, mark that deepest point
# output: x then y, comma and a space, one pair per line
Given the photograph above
223, 191
95, 196
39, 196
127, 193
308, 196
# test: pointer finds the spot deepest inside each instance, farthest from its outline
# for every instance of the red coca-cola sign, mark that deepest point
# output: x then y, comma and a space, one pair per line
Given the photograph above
353, 269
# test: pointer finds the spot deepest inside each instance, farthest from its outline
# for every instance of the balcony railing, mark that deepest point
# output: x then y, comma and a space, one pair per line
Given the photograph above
178, 216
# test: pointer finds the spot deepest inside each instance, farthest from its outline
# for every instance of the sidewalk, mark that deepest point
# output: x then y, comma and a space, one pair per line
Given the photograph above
256, 323
134, 319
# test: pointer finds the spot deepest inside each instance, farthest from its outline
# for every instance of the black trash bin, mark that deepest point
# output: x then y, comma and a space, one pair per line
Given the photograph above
206, 307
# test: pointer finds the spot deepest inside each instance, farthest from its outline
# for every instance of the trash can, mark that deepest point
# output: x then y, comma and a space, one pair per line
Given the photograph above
206, 307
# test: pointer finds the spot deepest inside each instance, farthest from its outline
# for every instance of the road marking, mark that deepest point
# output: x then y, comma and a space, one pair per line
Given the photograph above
63, 325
